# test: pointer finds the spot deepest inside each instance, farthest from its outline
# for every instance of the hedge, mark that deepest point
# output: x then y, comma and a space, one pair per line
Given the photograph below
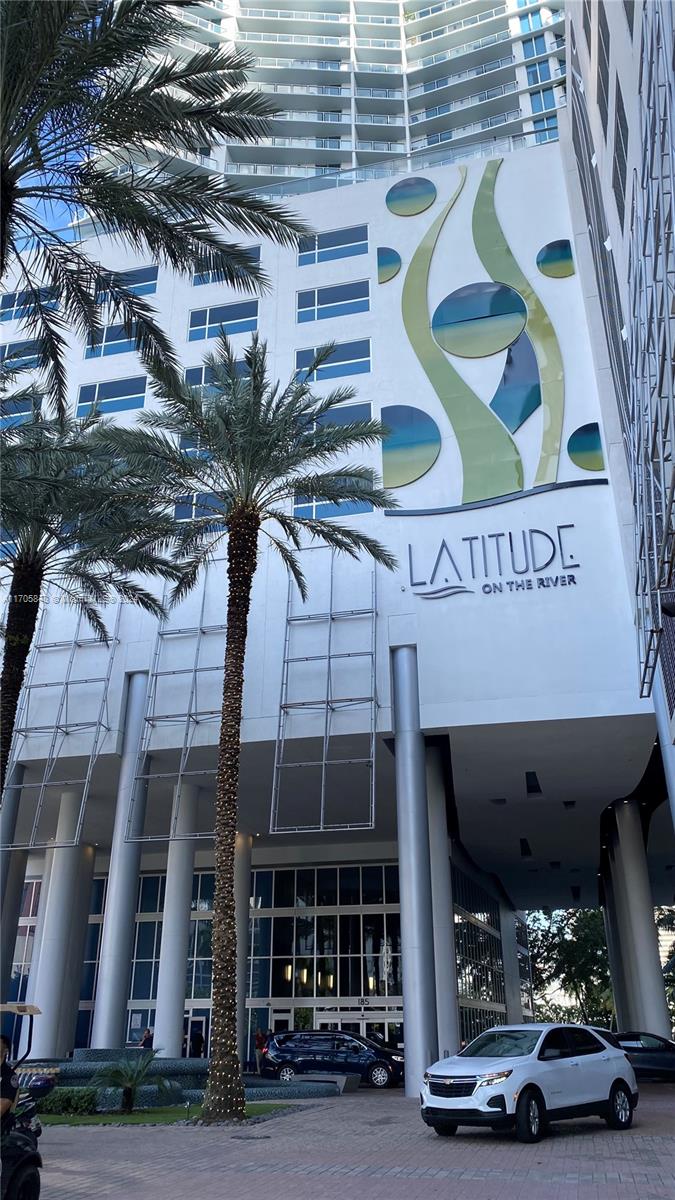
69, 1101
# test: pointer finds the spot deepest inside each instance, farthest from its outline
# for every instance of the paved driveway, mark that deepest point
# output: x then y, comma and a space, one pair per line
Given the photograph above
370, 1145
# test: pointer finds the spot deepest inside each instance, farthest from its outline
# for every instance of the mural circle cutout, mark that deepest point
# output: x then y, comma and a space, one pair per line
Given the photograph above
555, 259
479, 319
411, 447
585, 448
388, 263
409, 197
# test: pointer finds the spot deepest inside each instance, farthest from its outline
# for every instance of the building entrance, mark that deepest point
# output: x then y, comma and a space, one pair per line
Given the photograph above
386, 1026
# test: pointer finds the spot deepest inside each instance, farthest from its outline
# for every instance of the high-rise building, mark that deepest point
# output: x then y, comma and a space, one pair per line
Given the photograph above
356, 81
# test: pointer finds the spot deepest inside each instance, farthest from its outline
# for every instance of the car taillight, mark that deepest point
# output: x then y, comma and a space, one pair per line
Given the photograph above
265, 1049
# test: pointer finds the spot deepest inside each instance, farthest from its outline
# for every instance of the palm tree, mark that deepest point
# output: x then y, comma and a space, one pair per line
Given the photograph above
129, 1074
93, 111
250, 447
77, 520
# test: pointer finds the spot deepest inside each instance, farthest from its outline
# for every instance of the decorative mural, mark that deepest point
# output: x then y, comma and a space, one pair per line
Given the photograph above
502, 314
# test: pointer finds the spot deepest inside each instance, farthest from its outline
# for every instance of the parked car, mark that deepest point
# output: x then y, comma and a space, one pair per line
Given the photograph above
330, 1053
652, 1057
525, 1076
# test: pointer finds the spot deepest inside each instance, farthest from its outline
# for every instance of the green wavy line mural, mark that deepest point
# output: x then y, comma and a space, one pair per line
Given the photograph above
500, 263
491, 462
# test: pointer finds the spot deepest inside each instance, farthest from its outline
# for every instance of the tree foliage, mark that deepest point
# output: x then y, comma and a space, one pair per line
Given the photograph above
568, 952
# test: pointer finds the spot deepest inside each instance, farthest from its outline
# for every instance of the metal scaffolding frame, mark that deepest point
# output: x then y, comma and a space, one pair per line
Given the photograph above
190, 716
61, 726
327, 704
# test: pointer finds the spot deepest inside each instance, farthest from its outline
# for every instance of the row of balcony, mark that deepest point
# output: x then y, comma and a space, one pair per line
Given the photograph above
444, 30
340, 18
341, 117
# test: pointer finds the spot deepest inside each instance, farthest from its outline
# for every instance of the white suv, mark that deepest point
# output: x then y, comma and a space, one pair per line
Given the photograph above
524, 1076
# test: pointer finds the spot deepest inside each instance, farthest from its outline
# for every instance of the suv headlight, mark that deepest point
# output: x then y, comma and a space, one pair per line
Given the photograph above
399, 1058
426, 1077
492, 1080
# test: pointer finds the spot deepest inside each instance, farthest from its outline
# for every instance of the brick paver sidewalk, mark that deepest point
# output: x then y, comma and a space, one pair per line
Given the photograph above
365, 1145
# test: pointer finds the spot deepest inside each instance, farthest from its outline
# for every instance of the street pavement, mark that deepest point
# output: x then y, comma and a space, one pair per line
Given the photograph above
365, 1144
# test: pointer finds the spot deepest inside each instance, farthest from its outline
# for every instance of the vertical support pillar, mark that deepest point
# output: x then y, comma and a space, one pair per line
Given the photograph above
665, 738
170, 1008
417, 943
639, 939
117, 942
619, 902
447, 1014
242, 904
43, 904
514, 1004
70, 1001
616, 970
12, 876
61, 917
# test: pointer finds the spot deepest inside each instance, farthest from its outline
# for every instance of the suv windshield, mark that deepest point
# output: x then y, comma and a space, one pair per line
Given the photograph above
507, 1043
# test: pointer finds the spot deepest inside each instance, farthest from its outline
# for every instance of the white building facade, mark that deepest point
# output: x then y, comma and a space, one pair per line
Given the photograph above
425, 752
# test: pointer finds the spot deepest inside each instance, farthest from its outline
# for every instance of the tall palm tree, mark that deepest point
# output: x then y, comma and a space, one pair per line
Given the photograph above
78, 520
250, 447
93, 111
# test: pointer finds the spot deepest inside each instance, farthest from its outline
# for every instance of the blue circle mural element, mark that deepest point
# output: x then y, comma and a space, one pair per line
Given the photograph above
555, 259
585, 447
409, 197
388, 263
479, 319
411, 447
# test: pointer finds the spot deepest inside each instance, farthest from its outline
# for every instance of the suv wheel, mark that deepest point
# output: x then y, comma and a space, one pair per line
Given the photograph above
620, 1107
287, 1073
24, 1184
530, 1116
379, 1075
448, 1129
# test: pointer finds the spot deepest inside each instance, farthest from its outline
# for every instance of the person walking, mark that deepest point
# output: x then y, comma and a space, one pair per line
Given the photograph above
197, 1043
260, 1043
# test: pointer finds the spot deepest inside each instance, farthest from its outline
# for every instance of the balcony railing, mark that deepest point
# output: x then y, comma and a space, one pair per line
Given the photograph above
294, 39
496, 64
443, 30
451, 135
287, 14
440, 110
458, 51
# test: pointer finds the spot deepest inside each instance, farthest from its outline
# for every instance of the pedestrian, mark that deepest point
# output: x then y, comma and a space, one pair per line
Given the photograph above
9, 1088
197, 1043
260, 1043
146, 1041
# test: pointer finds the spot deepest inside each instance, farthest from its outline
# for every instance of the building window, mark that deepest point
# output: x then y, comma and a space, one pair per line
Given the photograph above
114, 339
142, 281
533, 47
16, 306
241, 317
542, 100
539, 73
201, 277
340, 243
588, 23
530, 22
348, 358
319, 304
620, 154
16, 410
545, 129
20, 355
629, 7
311, 508
603, 66
199, 504
115, 395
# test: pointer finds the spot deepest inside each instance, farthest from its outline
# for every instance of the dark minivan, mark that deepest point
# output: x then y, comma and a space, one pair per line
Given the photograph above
324, 1052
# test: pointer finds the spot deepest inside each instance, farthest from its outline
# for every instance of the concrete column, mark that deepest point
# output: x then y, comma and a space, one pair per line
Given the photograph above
117, 941
618, 903
242, 904
639, 939
665, 738
614, 954
514, 1004
12, 876
170, 1008
417, 942
61, 917
447, 1014
70, 1001
43, 904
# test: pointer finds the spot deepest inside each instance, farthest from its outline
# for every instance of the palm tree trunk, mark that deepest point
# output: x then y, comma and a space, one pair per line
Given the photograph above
224, 1098
22, 615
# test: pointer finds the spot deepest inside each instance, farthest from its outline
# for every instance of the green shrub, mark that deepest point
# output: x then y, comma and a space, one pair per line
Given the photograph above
69, 1101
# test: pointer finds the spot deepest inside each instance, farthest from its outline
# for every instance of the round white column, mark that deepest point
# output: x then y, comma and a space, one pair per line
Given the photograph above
447, 1015
12, 876
417, 941
242, 904
117, 941
61, 916
170, 1007
43, 904
631, 862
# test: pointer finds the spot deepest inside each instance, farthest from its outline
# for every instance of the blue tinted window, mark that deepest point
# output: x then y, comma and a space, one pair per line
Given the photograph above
20, 355
148, 894
202, 277
263, 889
338, 243
15, 306
198, 505
313, 509
334, 301
15, 410
534, 46
114, 339
347, 358
241, 317
546, 129
142, 281
97, 893
112, 395
543, 100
